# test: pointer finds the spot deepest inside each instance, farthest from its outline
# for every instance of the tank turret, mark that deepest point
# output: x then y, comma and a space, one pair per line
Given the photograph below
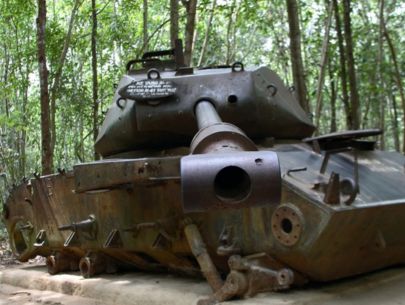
155, 106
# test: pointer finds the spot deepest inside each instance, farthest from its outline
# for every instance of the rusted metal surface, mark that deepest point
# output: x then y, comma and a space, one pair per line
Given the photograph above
244, 97
198, 248
343, 139
230, 180
109, 174
248, 210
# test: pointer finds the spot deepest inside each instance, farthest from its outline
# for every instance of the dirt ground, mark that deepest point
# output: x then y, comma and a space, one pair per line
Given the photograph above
6, 256
12, 295
30, 284
8, 260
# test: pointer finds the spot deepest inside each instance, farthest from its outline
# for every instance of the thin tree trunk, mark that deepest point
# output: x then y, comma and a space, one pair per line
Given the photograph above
364, 122
94, 70
174, 21
5, 78
333, 95
296, 58
156, 31
145, 24
395, 123
282, 54
19, 144
23, 155
46, 150
228, 32
351, 69
323, 62
249, 42
207, 33
233, 46
397, 77
191, 9
380, 74
382, 123
343, 74
58, 75
117, 42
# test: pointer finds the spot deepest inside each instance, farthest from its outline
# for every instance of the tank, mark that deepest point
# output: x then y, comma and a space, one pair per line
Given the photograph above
214, 172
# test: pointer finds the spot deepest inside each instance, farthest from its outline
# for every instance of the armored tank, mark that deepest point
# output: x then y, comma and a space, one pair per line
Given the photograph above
213, 172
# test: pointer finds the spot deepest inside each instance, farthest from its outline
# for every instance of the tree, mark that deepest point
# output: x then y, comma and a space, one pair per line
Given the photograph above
58, 75
94, 70
343, 74
354, 95
397, 74
191, 9
207, 33
229, 35
145, 24
46, 156
380, 59
323, 63
296, 58
174, 21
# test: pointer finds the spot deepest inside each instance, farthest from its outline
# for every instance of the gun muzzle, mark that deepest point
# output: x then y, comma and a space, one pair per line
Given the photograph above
225, 169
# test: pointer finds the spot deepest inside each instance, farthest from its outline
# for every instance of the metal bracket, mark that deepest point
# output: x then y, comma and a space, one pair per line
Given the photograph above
88, 227
41, 239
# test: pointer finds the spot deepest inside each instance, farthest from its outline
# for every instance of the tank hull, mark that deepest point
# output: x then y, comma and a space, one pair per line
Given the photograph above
139, 219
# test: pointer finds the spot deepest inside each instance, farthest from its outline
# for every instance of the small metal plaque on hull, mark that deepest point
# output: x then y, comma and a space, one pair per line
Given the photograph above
148, 89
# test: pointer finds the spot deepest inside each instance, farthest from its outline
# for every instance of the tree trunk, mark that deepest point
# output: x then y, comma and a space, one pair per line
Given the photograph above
382, 123
23, 155
191, 9
228, 32
323, 62
145, 24
395, 123
397, 77
351, 69
283, 60
46, 150
58, 75
207, 34
333, 126
117, 42
380, 58
5, 77
296, 58
364, 121
174, 21
94, 70
343, 74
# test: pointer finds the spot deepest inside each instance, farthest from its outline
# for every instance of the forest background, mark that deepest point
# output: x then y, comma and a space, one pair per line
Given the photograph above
60, 61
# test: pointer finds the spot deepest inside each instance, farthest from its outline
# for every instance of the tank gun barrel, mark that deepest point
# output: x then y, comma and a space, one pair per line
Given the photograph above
214, 135
206, 114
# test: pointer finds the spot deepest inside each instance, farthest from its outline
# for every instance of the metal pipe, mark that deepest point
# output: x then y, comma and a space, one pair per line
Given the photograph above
199, 250
92, 265
59, 263
206, 114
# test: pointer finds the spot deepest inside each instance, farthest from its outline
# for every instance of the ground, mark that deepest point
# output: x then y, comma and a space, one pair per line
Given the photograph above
15, 295
12, 295
30, 284
6, 256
